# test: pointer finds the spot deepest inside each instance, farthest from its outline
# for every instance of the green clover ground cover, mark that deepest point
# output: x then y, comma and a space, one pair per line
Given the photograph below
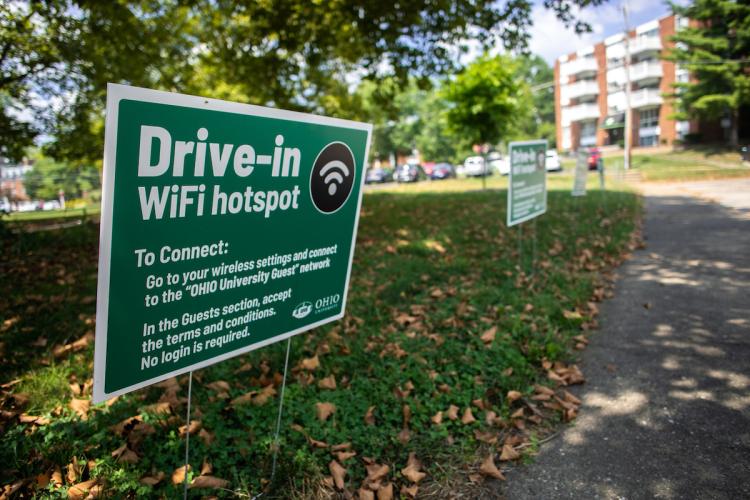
442, 312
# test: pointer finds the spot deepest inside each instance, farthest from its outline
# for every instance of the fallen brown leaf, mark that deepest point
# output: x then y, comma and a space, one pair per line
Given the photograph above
73, 471
338, 473
571, 398
365, 494
468, 417
324, 410
513, 396
343, 456
485, 437
208, 482
152, 480
376, 472
310, 363
488, 468
178, 476
370, 416
489, 335
410, 491
327, 382
316, 443
386, 492
125, 455
86, 489
195, 426
452, 412
57, 478
412, 470
509, 453
32, 419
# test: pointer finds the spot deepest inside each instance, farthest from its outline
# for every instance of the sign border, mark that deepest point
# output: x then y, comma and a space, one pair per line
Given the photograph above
511, 145
115, 94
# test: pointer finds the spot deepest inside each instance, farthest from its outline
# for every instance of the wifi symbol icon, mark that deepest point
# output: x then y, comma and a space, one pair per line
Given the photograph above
332, 177
335, 170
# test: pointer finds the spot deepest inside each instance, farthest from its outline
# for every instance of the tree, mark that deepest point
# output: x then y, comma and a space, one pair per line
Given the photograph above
48, 178
56, 57
539, 75
715, 51
294, 54
487, 100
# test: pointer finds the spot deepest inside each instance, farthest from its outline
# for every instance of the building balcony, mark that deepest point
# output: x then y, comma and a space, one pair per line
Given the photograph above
579, 66
645, 70
581, 112
638, 72
583, 88
645, 97
644, 44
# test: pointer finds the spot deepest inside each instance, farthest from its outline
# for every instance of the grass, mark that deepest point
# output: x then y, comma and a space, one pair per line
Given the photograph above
435, 268
44, 215
685, 165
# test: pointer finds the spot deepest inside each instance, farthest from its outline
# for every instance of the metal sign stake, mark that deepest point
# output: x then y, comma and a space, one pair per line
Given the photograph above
187, 433
281, 407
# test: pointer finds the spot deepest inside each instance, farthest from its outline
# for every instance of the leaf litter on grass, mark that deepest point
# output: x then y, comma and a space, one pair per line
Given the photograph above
451, 351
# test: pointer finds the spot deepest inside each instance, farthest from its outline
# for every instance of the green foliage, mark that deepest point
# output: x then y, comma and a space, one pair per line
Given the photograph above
48, 177
715, 52
535, 71
487, 100
294, 54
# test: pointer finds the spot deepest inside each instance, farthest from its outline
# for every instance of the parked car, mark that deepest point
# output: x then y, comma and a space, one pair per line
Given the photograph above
474, 166
442, 171
594, 156
552, 161
378, 175
428, 167
408, 173
496, 161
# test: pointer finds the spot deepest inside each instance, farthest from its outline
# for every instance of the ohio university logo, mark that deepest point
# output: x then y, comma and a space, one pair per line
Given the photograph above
332, 177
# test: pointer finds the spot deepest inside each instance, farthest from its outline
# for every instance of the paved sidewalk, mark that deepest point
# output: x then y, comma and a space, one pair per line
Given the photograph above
666, 409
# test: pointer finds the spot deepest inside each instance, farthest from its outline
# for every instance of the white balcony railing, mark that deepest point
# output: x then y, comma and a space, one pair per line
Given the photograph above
642, 44
645, 70
645, 97
583, 88
639, 71
616, 102
579, 66
580, 112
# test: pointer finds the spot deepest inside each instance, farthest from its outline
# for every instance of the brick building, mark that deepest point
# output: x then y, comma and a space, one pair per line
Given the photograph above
590, 90
12, 176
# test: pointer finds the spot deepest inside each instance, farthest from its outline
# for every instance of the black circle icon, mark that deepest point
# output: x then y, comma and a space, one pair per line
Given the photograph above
332, 177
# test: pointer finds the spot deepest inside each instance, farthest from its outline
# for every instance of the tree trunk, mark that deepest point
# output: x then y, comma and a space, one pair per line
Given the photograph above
734, 131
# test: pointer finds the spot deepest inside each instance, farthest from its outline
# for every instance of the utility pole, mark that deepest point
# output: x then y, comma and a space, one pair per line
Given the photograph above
628, 114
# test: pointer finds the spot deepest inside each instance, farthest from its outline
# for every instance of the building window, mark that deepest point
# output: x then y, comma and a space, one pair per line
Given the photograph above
649, 117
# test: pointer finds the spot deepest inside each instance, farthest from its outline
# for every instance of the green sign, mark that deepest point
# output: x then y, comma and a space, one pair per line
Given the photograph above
225, 227
581, 174
527, 184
